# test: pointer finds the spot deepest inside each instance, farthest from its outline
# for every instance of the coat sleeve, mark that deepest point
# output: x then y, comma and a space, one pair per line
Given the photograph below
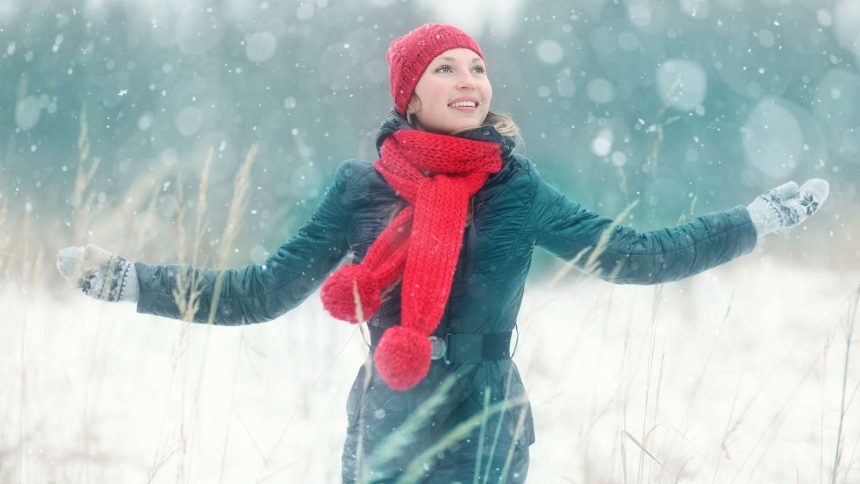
565, 229
257, 293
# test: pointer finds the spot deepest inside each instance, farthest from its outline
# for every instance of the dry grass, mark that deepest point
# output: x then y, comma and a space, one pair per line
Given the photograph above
701, 411
82, 197
725, 416
850, 318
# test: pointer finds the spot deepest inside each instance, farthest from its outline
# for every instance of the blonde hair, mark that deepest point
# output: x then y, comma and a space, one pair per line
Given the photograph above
503, 123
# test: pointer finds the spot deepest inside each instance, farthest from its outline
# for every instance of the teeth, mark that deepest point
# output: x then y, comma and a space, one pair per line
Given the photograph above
464, 104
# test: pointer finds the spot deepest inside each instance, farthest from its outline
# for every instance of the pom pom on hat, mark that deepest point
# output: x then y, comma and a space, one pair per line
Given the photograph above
409, 55
402, 357
338, 295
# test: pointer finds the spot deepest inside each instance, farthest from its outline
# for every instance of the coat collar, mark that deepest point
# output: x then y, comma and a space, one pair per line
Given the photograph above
394, 122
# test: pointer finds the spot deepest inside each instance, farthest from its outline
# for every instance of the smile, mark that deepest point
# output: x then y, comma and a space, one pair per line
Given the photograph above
465, 105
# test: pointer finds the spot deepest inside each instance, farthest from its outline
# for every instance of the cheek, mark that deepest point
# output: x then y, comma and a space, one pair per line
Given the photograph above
431, 95
439, 94
488, 94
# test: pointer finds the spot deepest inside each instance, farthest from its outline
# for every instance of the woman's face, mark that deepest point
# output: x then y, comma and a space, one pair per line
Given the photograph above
454, 93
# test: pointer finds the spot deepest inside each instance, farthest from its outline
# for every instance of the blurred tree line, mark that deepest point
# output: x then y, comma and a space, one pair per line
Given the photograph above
688, 106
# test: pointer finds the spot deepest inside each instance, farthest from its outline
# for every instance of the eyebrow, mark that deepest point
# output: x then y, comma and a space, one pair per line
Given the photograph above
451, 59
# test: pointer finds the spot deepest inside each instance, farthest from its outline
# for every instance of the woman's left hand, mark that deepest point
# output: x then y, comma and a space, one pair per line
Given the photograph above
99, 273
787, 205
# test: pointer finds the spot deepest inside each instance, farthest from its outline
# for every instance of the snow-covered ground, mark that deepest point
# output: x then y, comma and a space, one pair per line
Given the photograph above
735, 375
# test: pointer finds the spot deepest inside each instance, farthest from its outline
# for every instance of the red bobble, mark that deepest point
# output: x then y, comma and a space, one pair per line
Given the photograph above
402, 357
338, 295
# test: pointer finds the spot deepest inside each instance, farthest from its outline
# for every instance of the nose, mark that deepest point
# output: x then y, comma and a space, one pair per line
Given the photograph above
465, 82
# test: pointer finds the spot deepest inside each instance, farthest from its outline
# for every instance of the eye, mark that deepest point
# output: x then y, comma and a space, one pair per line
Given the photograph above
443, 68
479, 69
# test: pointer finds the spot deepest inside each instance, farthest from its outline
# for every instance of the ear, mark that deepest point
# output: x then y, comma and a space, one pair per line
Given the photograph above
414, 105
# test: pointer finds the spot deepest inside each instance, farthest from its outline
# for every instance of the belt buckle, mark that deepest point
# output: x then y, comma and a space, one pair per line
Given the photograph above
438, 348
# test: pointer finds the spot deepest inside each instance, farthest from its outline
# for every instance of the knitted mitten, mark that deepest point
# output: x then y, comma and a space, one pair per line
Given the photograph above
98, 273
786, 205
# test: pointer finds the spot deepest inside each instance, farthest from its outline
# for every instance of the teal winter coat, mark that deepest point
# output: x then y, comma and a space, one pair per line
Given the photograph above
514, 212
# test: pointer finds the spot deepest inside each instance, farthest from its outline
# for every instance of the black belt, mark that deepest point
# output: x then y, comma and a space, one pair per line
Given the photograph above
466, 348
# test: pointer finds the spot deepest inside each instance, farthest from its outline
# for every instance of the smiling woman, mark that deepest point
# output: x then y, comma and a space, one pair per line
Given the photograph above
453, 95
440, 399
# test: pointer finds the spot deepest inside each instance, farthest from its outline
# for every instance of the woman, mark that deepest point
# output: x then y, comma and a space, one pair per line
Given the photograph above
442, 227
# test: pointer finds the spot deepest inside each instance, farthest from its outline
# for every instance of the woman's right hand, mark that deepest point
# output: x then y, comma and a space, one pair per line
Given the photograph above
787, 205
98, 273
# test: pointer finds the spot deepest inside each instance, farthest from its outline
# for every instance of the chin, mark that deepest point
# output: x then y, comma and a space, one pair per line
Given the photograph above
452, 127
455, 128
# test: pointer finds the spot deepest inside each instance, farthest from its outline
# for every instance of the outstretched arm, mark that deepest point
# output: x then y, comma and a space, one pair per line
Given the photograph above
626, 256
257, 293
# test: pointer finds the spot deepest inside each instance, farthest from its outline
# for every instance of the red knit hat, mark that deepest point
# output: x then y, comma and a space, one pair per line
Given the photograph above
409, 55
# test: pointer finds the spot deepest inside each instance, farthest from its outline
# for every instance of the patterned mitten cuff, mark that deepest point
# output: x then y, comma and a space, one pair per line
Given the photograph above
114, 281
99, 274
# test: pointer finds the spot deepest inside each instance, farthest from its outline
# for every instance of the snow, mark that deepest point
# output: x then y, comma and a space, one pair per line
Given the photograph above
639, 13
824, 18
682, 84
847, 25
305, 11
766, 38
600, 91
199, 30
739, 376
144, 122
772, 139
189, 120
696, 8
564, 84
550, 52
628, 41
28, 112
601, 145
838, 118
619, 159
766, 91
260, 46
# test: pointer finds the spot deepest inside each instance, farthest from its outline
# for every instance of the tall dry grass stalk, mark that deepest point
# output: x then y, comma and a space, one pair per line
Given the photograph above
650, 165
691, 212
622, 182
508, 380
23, 363
144, 226
773, 424
231, 229
643, 443
267, 457
187, 292
481, 435
82, 201
234, 220
850, 319
416, 467
5, 242
592, 264
397, 442
365, 384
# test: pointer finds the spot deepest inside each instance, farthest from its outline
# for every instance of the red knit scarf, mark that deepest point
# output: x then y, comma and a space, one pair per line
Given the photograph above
436, 174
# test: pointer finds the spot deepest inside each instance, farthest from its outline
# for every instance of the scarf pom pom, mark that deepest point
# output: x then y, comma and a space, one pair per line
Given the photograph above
402, 357
338, 295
